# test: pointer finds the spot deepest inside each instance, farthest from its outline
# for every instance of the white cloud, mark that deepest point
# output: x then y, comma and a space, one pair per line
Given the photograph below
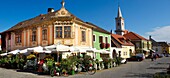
160, 33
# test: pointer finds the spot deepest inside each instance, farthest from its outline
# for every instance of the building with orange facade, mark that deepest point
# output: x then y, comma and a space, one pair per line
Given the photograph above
55, 27
46, 29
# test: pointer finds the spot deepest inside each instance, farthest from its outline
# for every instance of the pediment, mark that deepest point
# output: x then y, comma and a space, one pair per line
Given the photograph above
62, 13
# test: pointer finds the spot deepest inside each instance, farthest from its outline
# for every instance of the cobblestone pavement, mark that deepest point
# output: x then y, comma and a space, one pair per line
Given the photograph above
144, 69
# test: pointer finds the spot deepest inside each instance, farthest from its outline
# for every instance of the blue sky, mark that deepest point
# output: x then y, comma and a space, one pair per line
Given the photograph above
145, 17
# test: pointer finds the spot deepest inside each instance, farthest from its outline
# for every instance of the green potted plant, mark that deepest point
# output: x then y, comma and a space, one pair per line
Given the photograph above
106, 63
98, 64
64, 65
64, 71
111, 63
102, 65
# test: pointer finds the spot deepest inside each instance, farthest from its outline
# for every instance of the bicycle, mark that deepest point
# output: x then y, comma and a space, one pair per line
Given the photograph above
89, 68
57, 70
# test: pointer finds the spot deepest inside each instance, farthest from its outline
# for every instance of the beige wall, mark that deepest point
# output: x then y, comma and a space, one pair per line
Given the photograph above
126, 51
26, 38
76, 36
88, 31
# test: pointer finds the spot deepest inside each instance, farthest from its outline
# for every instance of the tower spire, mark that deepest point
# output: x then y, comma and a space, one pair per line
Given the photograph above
120, 24
63, 3
119, 14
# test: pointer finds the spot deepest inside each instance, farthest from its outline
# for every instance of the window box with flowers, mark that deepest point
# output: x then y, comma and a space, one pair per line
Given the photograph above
107, 45
102, 45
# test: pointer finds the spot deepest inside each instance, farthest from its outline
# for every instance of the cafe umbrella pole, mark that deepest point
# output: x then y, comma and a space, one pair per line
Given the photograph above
57, 54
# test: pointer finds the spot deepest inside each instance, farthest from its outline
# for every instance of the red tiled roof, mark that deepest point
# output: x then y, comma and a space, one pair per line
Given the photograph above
134, 36
122, 40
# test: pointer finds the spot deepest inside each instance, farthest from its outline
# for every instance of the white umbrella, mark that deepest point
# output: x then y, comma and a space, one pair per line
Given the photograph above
39, 49
74, 49
62, 48
36, 49
24, 51
14, 52
58, 47
85, 49
3, 54
51, 46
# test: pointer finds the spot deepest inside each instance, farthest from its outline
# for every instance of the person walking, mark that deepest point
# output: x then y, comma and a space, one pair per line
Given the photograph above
152, 56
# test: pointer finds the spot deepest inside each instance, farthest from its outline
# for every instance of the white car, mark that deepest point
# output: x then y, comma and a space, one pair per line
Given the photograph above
123, 61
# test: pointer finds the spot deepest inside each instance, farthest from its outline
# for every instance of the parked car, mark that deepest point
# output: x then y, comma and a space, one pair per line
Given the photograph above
166, 55
135, 58
123, 61
141, 55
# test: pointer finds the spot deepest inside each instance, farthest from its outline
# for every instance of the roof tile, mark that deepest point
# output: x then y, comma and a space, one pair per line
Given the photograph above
122, 40
134, 36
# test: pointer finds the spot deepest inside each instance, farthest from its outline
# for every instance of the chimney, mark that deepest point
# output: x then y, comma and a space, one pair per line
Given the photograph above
111, 31
150, 37
126, 32
50, 10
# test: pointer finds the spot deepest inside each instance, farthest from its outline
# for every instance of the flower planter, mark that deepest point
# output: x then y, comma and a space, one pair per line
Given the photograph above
107, 45
111, 65
72, 72
102, 66
102, 45
106, 65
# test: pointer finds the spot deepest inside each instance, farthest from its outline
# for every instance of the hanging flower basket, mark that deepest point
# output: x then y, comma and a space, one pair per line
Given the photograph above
102, 45
107, 45
31, 56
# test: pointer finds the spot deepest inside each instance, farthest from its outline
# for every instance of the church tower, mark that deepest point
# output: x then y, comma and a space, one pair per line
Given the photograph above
120, 25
